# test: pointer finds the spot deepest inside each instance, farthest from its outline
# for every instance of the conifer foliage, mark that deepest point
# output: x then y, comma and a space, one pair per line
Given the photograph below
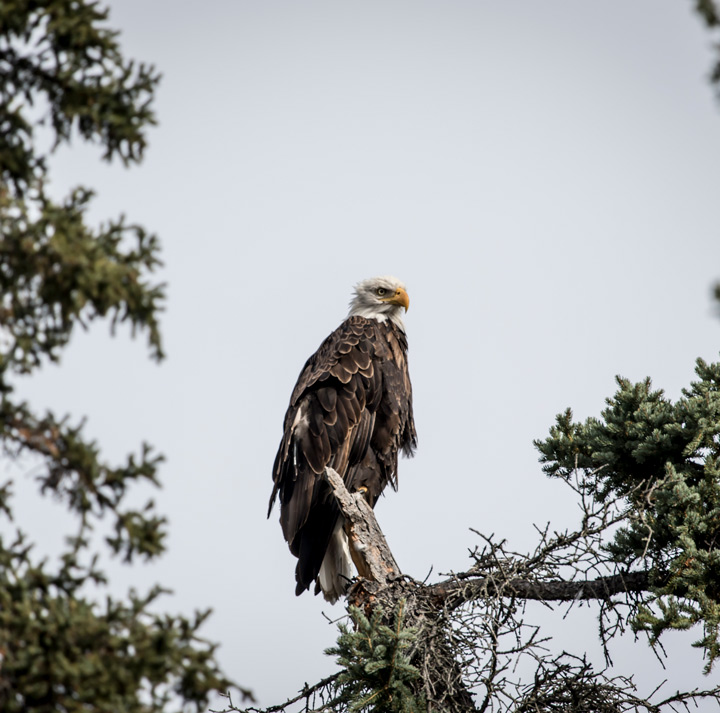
376, 664
62, 76
664, 458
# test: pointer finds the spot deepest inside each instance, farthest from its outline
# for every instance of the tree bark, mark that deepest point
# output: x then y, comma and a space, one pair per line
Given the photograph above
368, 546
457, 591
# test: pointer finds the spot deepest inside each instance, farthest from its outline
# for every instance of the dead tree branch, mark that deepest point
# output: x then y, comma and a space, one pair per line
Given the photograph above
456, 591
368, 546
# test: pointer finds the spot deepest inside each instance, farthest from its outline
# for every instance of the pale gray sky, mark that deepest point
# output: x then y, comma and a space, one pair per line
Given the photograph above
543, 176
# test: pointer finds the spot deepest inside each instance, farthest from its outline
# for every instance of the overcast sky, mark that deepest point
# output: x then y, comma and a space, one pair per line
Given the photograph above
544, 176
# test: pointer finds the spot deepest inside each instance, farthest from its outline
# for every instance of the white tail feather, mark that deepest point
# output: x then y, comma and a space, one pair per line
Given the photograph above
337, 567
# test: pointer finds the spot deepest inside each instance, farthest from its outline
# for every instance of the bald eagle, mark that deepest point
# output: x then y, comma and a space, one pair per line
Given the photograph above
351, 409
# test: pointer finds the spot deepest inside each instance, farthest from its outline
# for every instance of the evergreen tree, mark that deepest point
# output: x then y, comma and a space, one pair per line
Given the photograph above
62, 75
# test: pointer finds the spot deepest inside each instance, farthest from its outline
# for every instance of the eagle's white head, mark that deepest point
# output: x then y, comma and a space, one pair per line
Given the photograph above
380, 298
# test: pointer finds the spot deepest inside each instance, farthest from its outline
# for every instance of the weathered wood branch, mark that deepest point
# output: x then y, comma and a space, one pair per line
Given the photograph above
381, 585
368, 546
459, 590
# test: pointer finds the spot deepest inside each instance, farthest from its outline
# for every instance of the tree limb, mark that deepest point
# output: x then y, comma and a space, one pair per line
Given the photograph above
458, 590
368, 546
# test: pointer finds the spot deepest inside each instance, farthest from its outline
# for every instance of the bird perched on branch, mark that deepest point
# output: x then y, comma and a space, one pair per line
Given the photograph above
351, 410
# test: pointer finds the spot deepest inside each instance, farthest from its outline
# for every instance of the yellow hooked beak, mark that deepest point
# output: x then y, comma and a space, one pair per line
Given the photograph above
399, 298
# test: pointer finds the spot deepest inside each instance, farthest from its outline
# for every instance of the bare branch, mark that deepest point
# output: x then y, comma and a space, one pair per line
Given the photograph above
457, 591
306, 694
368, 546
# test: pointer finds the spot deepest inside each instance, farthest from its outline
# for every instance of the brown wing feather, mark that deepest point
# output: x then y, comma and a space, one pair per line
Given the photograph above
351, 409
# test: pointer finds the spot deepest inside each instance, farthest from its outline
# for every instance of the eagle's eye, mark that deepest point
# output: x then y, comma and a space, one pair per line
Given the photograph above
380, 291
